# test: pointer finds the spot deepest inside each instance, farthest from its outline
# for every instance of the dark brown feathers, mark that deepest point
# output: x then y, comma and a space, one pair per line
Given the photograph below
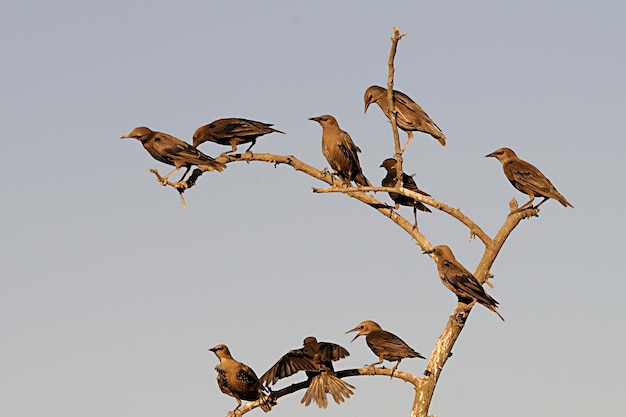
233, 132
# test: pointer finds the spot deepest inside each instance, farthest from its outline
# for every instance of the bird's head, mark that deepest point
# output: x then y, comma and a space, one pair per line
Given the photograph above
364, 328
325, 120
502, 154
372, 94
440, 252
141, 133
221, 351
389, 164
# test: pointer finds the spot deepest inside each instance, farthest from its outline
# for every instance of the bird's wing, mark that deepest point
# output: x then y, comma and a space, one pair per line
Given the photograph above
174, 148
290, 363
409, 183
331, 352
464, 284
388, 342
247, 375
240, 128
347, 146
528, 175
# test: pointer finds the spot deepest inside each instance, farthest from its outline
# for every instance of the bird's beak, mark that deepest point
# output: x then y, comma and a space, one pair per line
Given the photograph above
315, 119
212, 349
491, 155
366, 106
428, 252
381, 165
126, 136
354, 330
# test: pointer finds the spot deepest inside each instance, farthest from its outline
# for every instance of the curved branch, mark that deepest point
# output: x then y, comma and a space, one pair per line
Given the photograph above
273, 396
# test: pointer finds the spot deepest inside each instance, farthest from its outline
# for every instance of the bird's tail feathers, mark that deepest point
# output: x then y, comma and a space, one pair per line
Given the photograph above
327, 383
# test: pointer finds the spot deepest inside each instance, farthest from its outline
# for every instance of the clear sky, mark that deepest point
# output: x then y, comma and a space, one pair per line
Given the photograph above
111, 293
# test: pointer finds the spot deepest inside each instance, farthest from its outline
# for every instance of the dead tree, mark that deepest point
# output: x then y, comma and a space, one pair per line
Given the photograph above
426, 383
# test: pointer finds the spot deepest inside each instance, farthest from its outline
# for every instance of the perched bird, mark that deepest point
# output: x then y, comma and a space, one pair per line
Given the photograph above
527, 178
237, 379
460, 281
384, 344
172, 151
340, 151
232, 132
316, 358
411, 117
407, 182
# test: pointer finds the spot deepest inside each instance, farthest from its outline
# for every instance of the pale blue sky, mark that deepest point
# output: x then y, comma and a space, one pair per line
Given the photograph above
112, 293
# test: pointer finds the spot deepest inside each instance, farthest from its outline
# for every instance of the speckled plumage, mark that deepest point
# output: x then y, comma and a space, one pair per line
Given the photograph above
237, 379
233, 132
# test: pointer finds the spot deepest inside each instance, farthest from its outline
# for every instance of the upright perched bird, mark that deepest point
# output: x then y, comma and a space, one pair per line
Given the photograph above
411, 117
237, 379
407, 182
527, 178
340, 151
172, 151
384, 344
316, 358
460, 281
232, 132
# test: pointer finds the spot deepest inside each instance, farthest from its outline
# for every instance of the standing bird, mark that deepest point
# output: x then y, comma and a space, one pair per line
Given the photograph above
407, 182
340, 151
232, 132
172, 151
411, 117
527, 178
384, 344
316, 358
237, 379
460, 281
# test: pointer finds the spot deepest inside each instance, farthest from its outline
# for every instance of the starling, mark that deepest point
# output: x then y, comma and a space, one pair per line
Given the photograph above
407, 182
460, 281
172, 151
232, 132
340, 151
527, 178
237, 379
316, 358
384, 344
411, 117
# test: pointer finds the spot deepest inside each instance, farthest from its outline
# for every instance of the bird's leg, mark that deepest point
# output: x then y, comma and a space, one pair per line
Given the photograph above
542, 201
410, 135
163, 180
395, 367
415, 218
469, 306
185, 174
251, 145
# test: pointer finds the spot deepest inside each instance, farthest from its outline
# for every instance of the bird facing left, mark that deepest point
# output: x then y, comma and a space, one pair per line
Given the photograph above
173, 151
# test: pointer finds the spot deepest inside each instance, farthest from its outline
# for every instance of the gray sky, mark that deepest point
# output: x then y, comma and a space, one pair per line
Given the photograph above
112, 293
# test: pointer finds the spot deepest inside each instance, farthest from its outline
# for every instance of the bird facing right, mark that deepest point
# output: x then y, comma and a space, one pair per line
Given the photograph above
384, 344
460, 281
411, 117
340, 151
526, 178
